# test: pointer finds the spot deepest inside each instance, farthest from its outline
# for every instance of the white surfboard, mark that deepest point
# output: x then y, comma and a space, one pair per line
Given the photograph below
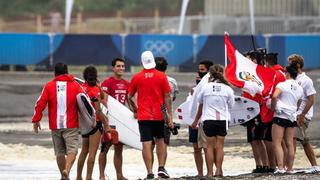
126, 125
243, 110
122, 118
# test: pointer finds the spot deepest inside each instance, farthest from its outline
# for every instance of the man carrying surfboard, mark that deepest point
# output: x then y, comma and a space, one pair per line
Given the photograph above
153, 91
117, 87
61, 95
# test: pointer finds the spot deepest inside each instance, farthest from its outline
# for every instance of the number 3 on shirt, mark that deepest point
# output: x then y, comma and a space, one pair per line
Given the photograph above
121, 97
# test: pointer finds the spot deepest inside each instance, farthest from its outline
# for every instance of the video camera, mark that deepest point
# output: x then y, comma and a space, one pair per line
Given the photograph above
258, 54
175, 128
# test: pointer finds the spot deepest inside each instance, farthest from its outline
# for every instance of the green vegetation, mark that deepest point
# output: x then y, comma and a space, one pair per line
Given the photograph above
30, 8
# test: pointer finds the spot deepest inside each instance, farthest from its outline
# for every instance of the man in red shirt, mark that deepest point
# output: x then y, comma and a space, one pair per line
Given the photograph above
153, 91
60, 95
117, 87
271, 61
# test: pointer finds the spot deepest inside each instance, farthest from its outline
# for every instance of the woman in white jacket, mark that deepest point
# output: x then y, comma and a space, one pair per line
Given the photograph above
285, 102
215, 100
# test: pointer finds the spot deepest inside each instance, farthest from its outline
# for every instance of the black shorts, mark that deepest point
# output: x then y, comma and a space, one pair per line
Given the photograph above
214, 128
255, 129
166, 137
284, 122
267, 131
150, 129
94, 130
193, 135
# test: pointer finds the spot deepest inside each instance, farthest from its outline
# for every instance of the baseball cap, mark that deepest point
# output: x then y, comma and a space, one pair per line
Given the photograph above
147, 60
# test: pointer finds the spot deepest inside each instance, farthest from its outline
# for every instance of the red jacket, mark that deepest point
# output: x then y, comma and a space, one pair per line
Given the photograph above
60, 95
266, 113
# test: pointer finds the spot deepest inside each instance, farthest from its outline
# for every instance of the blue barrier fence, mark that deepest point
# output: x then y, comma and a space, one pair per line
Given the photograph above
183, 51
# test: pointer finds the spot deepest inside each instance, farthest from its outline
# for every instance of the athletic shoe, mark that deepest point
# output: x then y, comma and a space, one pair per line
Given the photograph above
163, 173
279, 171
291, 172
271, 170
150, 176
258, 170
314, 169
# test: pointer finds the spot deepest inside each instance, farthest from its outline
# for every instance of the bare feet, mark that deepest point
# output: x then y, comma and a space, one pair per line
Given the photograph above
102, 178
122, 178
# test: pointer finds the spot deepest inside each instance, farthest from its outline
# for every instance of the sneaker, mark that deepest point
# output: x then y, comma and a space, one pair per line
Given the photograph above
291, 172
258, 170
163, 173
150, 176
279, 171
271, 170
315, 169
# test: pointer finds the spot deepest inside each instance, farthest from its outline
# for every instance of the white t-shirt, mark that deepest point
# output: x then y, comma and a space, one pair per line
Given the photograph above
174, 86
308, 89
291, 92
217, 100
194, 102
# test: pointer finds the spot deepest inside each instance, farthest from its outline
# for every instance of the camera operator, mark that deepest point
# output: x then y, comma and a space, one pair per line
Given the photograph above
161, 65
255, 128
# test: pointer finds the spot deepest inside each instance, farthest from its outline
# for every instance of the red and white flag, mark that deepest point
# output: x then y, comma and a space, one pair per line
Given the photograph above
245, 74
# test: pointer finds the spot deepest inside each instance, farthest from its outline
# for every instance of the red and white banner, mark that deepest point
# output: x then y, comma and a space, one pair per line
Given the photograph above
245, 74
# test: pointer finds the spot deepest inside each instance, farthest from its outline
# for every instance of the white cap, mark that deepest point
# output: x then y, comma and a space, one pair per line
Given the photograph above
147, 60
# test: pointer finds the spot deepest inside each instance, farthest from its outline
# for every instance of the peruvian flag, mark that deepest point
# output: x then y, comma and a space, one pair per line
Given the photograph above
245, 74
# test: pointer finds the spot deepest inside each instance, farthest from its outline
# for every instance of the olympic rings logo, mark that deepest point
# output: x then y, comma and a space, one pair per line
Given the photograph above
159, 47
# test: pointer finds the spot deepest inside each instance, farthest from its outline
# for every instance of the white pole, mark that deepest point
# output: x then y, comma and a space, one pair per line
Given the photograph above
225, 52
183, 15
69, 4
251, 8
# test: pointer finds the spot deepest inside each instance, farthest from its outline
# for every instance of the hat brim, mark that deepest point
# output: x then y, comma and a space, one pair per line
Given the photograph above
149, 65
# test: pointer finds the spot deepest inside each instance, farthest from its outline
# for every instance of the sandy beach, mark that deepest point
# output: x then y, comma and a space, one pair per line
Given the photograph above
25, 155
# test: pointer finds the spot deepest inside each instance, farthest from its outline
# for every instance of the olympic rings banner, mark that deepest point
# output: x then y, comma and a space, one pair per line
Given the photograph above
177, 49
182, 51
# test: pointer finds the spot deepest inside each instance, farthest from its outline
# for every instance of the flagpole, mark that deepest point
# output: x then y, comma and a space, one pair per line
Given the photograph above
183, 15
225, 51
251, 8
67, 21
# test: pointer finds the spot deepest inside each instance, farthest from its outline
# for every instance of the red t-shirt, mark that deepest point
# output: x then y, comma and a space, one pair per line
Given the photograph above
280, 76
116, 88
266, 113
92, 91
151, 85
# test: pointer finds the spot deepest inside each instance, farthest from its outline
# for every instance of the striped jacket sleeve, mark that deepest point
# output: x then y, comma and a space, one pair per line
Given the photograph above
40, 105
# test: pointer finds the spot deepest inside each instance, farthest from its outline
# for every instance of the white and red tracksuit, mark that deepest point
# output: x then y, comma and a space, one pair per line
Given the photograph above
60, 95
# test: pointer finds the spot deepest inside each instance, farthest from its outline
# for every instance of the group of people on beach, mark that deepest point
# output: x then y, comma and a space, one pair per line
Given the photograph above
149, 95
155, 89
283, 119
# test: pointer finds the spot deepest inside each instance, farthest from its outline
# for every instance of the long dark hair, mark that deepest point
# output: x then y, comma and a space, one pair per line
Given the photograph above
217, 73
292, 69
90, 75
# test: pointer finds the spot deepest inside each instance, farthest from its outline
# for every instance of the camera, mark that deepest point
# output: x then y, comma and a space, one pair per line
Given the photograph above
258, 54
175, 128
